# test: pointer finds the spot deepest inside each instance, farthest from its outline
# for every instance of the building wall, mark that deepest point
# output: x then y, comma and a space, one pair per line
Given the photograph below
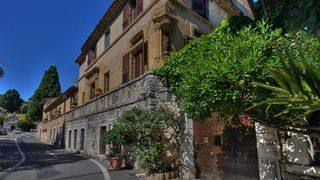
183, 24
52, 132
225, 152
103, 112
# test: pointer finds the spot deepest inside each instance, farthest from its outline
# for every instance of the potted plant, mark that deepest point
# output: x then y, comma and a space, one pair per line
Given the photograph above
115, 154
99, 92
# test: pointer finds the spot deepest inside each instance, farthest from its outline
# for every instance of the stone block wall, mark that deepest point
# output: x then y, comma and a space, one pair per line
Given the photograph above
103, 111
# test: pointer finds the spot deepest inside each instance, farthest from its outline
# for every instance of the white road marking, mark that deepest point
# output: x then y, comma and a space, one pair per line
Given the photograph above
23, 158
103, 169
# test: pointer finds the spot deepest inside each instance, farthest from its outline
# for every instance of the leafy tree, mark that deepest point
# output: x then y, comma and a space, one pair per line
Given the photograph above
151, 132
49, 87
11, 100
24, 108
26, 124
291, 15
215, 72
298, 85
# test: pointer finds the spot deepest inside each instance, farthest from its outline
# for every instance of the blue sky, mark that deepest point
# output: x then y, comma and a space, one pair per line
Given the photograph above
35, 34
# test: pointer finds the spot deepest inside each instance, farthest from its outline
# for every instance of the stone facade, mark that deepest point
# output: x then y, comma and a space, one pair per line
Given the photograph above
287, 154
117, 59
10, 122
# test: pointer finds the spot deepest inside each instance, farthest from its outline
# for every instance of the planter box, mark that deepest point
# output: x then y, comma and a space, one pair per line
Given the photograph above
164, 176
115, 164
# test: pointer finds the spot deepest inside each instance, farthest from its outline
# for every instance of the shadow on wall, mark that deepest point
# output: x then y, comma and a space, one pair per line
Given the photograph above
225, 152
238, 158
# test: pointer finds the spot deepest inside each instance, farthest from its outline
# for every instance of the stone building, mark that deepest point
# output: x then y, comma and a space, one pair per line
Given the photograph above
51, 129
10, 122
115, 74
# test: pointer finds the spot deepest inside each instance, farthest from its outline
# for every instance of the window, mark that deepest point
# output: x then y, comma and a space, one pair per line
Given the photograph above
83, 97
126, 16
200, 7
197, 34
106, 81
138, 63
93, 90
60, 133
73, 100
125, 68
82, 139
132, 10
75, 139
92, 54
69, 139
139, 7
107, 39
102, 145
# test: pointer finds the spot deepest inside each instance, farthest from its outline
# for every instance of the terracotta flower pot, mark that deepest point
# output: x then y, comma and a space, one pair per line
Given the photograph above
115, 164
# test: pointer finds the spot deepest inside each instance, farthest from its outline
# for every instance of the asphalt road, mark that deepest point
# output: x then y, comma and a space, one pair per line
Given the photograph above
38, 161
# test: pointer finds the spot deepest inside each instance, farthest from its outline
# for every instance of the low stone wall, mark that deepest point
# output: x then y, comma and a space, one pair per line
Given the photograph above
88, 119
286, 155
84, 125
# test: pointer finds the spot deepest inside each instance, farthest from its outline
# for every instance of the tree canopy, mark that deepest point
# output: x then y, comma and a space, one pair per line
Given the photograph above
49, 87
290, 15
215, 72
11, 100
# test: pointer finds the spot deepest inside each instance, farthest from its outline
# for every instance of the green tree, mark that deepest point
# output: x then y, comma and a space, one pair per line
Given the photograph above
298, 85
49, 87
11, 101
26, 124
24, 107
291, 15
215, 72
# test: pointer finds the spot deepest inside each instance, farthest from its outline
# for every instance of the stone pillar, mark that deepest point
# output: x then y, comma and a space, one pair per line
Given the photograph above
150, 87
269, 152
188, 170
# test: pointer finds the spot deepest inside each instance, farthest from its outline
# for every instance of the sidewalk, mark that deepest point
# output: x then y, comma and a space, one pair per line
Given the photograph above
125, 174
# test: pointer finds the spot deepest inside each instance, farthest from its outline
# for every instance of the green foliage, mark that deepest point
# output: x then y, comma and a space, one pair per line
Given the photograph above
215, 72
26, 124
291, 15
144, 130
49, 87
11, 101
24, 108
298, 80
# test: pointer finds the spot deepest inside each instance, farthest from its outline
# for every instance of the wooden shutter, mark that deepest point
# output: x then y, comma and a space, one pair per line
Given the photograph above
126, 16
139, 7
125, 68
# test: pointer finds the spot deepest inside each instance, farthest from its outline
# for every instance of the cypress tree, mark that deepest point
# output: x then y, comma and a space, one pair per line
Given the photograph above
48, 88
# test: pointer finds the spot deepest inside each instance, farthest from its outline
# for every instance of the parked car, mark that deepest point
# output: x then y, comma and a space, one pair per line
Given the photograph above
16, 131
3, 131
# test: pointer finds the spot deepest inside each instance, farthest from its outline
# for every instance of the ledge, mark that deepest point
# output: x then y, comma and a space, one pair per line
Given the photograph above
304, 170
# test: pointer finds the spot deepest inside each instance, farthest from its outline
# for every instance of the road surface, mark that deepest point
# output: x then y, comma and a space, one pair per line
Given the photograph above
24, 157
